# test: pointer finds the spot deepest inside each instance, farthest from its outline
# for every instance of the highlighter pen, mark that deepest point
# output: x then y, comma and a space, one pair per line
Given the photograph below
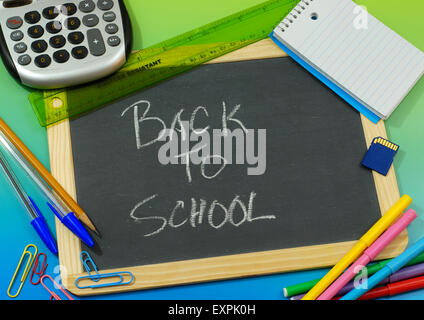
393, 266
370, 254
37, 219
409, 272
73, 224
298, 290
363, 243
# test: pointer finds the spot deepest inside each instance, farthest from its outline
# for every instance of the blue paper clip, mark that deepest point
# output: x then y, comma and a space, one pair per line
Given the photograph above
86, 260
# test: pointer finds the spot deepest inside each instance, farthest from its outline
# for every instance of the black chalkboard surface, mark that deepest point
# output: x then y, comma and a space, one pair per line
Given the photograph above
312, 190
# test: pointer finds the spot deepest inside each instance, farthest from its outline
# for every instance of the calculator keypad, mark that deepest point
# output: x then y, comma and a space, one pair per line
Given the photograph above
32, 17
50, 13
24, 60
54, 36
105, 4
17, 35
20, 47
35, 31
79, 52
14, 22
43, 61
69, 9
61, 56
109, 16
76, 37
87, 6
54, 27
39, 46
57, 41
90, 20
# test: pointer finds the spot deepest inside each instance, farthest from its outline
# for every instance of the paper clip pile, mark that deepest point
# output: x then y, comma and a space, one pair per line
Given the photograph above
95, 276
33, 258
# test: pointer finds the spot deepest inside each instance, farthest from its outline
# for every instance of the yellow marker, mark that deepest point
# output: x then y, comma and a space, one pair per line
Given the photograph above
367, 240
31, 257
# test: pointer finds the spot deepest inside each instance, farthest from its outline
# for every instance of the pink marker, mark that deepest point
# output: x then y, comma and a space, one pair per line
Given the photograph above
369, 254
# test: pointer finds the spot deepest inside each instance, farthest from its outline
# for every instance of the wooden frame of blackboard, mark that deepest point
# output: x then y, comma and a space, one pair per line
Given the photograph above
216, 268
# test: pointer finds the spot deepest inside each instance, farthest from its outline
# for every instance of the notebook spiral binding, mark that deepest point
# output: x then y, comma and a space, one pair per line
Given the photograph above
298, 10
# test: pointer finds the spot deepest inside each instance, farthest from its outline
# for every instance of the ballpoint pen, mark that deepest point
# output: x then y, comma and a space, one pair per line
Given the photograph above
73, 224
40, 175
37, 219
69, 219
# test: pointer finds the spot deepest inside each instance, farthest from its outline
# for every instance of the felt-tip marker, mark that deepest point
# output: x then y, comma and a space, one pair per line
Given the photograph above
390, 268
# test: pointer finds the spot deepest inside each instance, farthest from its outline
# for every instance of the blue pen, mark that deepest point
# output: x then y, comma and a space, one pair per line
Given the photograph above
37, 219
73, 224
69, 220
391, 267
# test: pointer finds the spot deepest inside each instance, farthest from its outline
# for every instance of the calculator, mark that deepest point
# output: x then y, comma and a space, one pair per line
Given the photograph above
51, 44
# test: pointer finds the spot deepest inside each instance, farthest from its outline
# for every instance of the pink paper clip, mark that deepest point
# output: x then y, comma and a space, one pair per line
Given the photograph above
35, 271
54, 296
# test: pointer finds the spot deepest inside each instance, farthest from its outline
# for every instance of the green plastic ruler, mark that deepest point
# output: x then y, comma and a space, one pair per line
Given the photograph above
164, 60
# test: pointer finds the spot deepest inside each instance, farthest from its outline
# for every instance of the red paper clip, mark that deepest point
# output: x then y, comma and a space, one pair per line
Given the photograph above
34, 269
54, 296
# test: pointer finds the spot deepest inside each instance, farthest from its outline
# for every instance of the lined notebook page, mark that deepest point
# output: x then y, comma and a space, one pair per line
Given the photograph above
375, 66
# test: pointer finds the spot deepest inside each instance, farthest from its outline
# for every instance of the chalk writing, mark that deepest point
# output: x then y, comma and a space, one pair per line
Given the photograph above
215, 214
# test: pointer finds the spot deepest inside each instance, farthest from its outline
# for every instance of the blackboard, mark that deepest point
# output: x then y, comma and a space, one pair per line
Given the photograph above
308, 188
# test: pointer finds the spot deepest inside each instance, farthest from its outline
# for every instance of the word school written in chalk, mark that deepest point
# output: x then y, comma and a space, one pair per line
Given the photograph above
177, 137
236, 214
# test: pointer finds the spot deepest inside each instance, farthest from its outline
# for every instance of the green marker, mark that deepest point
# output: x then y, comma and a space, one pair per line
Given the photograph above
300, 288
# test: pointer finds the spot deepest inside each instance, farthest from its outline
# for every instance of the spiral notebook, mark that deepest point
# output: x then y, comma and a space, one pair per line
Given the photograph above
366, 63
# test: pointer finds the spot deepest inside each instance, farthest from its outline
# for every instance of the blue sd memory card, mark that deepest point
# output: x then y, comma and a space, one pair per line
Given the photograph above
380, 155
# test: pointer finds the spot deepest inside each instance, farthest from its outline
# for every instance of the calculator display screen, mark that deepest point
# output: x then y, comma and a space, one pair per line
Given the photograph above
15, 3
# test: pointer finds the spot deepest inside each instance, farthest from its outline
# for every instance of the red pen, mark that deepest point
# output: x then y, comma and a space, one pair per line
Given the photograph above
394, 288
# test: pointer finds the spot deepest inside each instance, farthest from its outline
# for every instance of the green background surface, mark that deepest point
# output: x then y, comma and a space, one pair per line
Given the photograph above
155, 21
